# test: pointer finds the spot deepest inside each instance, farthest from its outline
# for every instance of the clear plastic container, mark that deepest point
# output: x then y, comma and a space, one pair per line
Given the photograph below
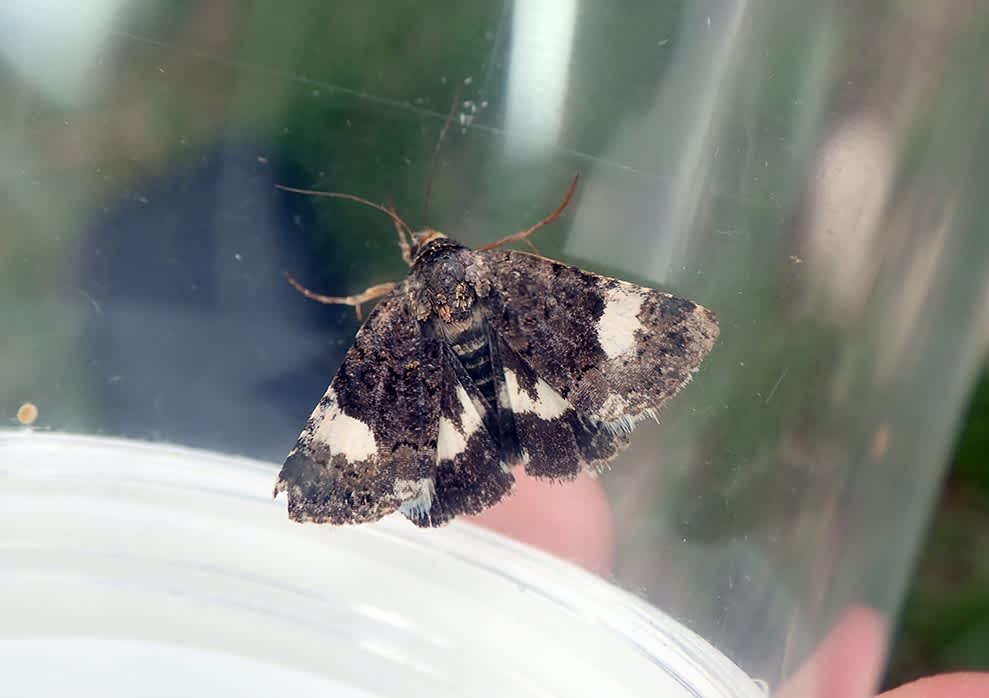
812, 172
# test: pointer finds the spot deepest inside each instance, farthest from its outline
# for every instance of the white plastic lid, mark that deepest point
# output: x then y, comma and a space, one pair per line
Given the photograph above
138, 569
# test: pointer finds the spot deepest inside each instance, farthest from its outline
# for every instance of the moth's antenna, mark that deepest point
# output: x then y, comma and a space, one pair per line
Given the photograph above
350, 197
436, 155
524, 234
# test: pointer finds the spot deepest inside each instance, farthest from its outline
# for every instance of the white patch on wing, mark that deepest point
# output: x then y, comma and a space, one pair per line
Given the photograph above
619, 321
548, 404
416, 496
451, 441
351, 438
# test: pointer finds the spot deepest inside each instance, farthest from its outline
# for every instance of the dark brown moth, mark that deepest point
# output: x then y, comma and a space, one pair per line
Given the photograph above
480, 360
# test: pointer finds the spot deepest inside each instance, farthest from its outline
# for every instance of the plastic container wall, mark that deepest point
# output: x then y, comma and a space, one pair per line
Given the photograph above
813, 172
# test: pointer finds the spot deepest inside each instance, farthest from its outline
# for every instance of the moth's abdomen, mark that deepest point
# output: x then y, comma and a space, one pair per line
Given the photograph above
474, 352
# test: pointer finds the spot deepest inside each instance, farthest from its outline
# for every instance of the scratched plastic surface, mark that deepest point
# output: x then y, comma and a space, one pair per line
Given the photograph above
131, 569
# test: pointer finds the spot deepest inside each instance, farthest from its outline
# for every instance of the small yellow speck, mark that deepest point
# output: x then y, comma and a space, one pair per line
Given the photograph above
27, 413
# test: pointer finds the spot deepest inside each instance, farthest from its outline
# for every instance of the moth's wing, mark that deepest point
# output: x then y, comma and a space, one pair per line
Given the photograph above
552, 438
472, 472
369, 447
613, 350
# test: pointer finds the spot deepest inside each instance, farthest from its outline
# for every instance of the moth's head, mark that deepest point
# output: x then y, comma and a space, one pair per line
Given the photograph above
422, 238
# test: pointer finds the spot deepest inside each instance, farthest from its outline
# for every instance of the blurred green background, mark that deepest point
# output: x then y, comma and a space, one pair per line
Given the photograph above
351, 98
945, 622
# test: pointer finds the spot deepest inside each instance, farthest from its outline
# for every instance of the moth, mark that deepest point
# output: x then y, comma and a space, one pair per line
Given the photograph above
480, 360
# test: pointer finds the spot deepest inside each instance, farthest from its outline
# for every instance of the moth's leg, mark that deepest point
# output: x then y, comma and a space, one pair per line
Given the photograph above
357, 300
403, 242
524, 234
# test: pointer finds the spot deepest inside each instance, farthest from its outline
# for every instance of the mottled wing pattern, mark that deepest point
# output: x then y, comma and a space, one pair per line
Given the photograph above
426, 417
554, 440
612, 350
369, 447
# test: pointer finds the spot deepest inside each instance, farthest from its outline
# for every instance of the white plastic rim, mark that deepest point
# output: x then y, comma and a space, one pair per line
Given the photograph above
141, 568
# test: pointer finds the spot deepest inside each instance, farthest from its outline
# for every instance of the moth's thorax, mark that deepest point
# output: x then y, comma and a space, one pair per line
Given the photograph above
422, 238
444, 279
